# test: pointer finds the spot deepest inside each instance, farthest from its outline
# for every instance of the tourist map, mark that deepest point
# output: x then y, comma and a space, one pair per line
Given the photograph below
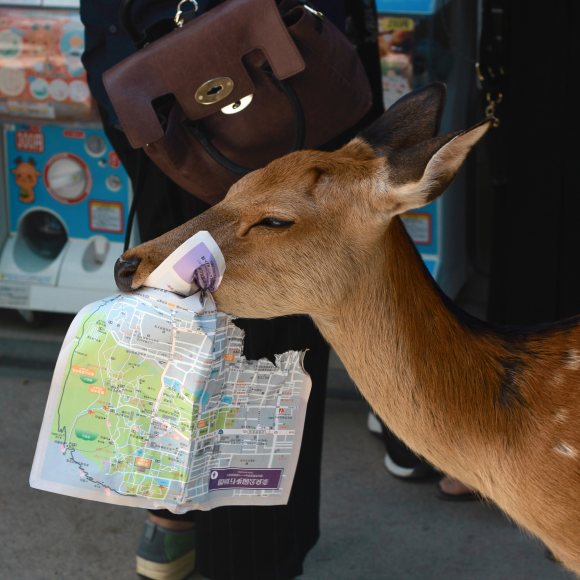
152, 404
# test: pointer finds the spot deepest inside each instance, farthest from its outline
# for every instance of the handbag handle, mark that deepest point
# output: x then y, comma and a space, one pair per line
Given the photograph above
299, 130
126, 19
158, 29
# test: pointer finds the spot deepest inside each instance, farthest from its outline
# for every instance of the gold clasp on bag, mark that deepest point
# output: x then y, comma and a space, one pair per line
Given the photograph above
237, 106
179, 19
214, 90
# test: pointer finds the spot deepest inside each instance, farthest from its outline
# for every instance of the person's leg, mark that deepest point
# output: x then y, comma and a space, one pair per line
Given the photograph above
270, 543
400, 461
246, 543
171, 521
166, 548
452, 489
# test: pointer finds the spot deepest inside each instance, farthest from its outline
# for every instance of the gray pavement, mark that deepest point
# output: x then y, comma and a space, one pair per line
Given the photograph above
373, 526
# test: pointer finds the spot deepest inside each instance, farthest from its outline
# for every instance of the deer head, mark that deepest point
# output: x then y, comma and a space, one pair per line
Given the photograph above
298, 234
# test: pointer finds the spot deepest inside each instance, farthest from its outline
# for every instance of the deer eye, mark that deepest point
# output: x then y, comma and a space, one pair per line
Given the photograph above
271, 222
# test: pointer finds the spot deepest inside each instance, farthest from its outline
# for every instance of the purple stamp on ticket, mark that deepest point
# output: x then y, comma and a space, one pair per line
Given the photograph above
200, 266
239, 478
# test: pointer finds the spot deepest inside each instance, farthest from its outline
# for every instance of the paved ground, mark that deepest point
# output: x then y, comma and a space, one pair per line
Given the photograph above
373, 526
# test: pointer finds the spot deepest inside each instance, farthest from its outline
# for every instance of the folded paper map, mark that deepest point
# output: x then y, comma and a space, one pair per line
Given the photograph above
152, 403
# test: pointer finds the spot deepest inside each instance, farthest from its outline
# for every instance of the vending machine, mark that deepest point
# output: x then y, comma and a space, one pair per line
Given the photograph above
63, 192
422, 41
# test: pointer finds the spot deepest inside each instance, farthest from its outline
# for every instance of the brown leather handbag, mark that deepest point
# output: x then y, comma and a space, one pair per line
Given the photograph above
234, 88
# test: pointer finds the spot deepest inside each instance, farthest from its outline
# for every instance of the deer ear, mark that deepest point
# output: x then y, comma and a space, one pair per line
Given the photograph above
416, 175
413, 118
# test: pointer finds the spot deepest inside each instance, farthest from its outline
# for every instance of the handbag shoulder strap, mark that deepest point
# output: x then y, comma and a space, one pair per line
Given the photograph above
145, 22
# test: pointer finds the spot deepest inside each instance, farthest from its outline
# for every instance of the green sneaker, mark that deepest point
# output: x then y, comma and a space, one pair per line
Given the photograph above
165, 554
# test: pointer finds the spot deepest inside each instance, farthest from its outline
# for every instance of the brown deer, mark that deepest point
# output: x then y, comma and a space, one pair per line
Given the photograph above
317, 233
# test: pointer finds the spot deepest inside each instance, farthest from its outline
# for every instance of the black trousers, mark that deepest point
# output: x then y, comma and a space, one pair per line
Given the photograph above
246, 543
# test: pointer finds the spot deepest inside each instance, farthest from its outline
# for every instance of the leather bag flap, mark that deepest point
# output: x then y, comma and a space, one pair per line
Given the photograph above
209, 47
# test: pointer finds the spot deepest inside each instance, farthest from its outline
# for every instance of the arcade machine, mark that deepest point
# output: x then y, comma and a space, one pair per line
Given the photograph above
64, 195
422, 41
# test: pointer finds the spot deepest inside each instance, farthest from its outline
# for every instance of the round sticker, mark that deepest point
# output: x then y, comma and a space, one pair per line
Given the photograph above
12, 81
113, 183
95, 146
79, 91
72, 45
74, 64
10, 43
39, 89
58, 90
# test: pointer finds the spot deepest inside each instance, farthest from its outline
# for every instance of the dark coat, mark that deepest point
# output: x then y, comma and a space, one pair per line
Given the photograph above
234, 543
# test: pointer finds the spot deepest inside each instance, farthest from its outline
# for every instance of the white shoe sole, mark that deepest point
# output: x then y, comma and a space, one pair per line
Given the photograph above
373, 424
176, 570
397, 470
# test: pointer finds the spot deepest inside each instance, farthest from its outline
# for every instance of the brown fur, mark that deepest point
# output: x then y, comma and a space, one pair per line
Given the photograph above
499, 410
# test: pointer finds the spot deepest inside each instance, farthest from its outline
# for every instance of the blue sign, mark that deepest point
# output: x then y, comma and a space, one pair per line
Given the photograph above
424, 7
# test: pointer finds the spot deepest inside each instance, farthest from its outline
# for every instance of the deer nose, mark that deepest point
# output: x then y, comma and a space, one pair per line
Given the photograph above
124, 272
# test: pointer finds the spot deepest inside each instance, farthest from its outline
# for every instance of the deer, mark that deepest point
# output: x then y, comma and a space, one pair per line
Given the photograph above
318, 233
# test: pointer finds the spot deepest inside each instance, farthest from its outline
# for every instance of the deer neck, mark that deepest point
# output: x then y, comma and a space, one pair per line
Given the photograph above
430, 376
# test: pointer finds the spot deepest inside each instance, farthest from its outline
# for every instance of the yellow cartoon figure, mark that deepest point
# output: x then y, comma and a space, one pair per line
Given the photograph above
26, 179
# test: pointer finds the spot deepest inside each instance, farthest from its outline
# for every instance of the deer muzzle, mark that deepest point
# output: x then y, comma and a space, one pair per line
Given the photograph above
124, 271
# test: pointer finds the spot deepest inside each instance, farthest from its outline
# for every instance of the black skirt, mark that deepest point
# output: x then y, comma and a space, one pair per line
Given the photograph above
246, 543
